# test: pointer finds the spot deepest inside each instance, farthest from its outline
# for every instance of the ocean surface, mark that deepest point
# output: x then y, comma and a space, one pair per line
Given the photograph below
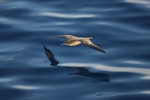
120, 27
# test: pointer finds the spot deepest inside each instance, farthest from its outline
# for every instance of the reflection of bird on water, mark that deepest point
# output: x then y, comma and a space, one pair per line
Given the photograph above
50, 56
73, 41
99, 77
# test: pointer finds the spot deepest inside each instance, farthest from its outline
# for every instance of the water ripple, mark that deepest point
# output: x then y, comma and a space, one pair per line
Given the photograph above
25, 87
119, 27
62, 15
143, 2
144, 71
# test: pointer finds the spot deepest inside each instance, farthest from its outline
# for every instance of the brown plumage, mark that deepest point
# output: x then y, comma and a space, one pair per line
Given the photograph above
74, 40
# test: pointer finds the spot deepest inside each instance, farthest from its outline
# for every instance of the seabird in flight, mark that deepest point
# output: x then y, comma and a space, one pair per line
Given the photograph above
72, 40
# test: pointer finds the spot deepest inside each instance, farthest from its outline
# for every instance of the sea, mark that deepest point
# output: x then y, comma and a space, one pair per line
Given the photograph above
120, 27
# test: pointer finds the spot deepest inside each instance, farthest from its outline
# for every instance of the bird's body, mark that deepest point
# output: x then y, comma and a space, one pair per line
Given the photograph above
74, 40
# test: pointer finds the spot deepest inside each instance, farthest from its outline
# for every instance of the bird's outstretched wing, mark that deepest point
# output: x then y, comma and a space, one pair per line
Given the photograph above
50, 56
62, 36
95, 47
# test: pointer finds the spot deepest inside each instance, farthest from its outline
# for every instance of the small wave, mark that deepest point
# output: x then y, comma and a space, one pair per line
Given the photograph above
133, 62
3, 80
144, 2
145, 92
146, 77
111, 68
122, 26
60, 15
24, 87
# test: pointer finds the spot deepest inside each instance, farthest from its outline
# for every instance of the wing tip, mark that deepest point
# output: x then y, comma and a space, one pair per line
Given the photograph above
55, 63
104, 52
45, 47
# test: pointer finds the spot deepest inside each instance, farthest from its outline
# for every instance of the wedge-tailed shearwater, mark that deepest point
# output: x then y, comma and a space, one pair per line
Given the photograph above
74, 40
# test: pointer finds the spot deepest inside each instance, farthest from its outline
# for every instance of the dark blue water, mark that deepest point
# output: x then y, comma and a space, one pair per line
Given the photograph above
121, 27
